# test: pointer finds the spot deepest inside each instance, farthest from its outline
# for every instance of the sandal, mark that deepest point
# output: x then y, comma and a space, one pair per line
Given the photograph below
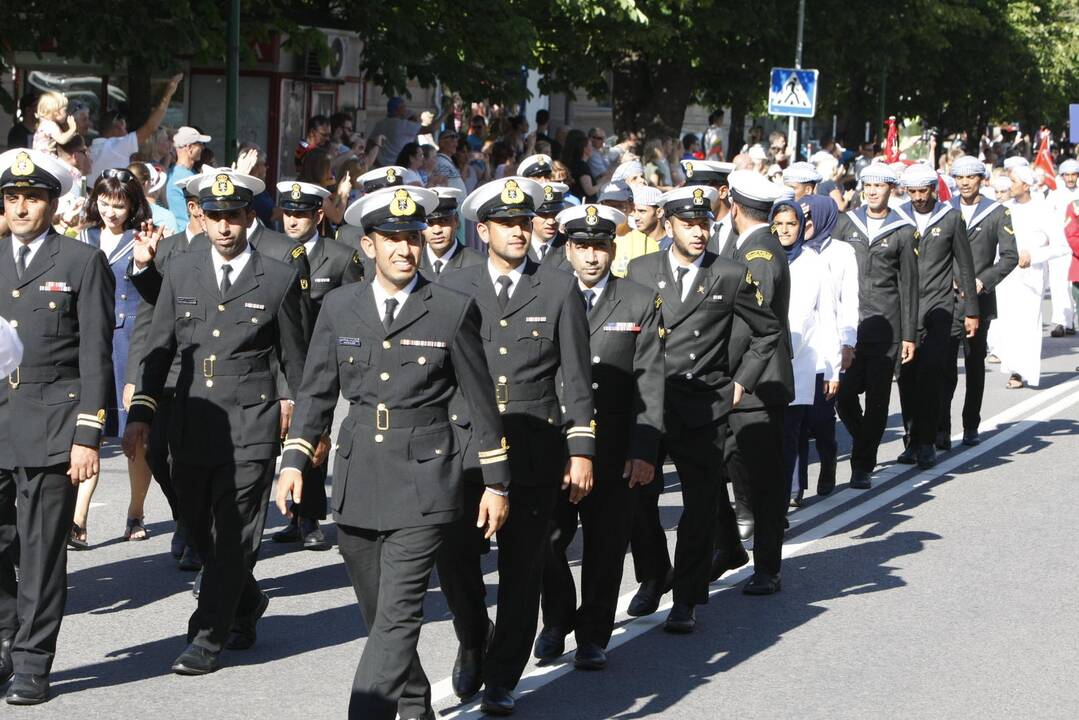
77, 539
1015, 382
136, 530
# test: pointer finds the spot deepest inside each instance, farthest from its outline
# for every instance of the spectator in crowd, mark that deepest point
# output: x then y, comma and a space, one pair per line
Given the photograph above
560, 173
318, 135
189, 144
543, 119
116, 211
656, 170
756, 137
398, 130
515, 137
81, 113
76, 158
427, 119
467, 172
713, 137
21, 135
444, 164
341, 129
502, 160
575, 155
597, 159
648, 230
410, 157
477, 127
317, 169
206, 160
252, 161
116, 145
430, 163
157, 149
759, 156
54, 125
778, 154
152, 180
691, 147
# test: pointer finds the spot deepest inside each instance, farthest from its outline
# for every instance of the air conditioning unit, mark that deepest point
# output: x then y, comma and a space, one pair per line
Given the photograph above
337, 69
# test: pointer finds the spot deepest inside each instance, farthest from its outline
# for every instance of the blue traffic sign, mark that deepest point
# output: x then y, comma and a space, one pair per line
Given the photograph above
793, 92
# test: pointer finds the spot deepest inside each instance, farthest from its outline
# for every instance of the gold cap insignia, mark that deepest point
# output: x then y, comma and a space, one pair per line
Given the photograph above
402, 204
23, 165
698, 197
391, 176
591, 215
548, 193
689, 169
296, 192
512, 193
223, 186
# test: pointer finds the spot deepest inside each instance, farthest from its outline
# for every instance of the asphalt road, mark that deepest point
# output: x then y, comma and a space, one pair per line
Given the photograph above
947, 593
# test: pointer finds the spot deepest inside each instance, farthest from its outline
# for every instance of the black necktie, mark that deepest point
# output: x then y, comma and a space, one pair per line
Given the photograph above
504, 283
543, 251
589, 298
391, 306
225, 282
680, 276
438, 267
20, 265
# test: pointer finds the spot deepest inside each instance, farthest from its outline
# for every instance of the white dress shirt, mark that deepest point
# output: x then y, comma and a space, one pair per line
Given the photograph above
381, 296
538, 245
34, 246
694, 267
309, 246
598, 288
237, 263
514, 276
432, 258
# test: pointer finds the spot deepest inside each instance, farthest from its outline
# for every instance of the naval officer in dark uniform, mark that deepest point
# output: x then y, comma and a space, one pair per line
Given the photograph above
548, 245
945, 263
442, 254
397, 348
58, 294
533, 327
383, 177
627, 383
716, 175
331, 264
992, 244
234, 317
702, 295
884, 247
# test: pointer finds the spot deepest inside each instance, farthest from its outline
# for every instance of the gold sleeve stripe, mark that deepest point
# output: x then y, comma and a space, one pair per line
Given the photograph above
492, 453
144, 400
493, 460
89, 417
300, 441
299, 449
89, 423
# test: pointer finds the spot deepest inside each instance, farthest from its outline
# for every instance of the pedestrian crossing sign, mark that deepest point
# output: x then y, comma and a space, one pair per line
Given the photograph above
793, 92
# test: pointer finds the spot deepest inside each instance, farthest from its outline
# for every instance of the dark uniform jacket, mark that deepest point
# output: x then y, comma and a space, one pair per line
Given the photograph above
62, 309
542, 330
462, 257
992, 244
332, 264
627, 372
398, 461
944, 263
698, 335
887, 277
556, 254
351, 235
226, 405
766, 259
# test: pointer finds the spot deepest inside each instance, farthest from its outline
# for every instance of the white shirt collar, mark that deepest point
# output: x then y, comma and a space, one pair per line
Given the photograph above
254, 226
309, 244
381, 296
237, 263
445, 258
742, 238
598, 288
190, 235
694, 267
34, 246
514, 275
537, 244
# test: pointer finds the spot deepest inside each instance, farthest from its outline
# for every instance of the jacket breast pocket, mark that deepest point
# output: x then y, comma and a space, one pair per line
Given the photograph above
189, 320
54, 314
437, 481
427, 362
536, 340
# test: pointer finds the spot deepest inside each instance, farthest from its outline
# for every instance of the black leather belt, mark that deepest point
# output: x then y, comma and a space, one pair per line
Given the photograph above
384, 418
509, 392
211, 366
41, 374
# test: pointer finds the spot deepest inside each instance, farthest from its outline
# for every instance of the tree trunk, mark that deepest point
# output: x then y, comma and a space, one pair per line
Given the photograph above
649, 98
139, 100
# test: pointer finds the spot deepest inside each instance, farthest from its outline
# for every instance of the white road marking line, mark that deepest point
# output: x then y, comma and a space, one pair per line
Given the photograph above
538, 677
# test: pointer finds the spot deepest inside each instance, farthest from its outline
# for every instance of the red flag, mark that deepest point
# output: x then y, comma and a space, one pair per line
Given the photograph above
1044, 160
891, 141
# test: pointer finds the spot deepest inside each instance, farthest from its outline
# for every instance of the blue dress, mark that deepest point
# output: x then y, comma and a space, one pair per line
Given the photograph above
127, 302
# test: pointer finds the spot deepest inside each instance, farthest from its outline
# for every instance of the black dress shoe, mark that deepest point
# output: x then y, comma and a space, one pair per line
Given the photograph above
290, 533
761, 584
724, 561
646, 601
313, 539
467, 676
944, 441
796, 499
497, 701
681, 619
927, 456
970, 438
859, 480
27, 689
550, 644
179, 542
590, 656
242, 635
190, 560
196, 660
7, 668
1057, 331
908, 456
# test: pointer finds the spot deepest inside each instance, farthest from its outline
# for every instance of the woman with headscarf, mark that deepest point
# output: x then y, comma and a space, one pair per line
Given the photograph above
812, 323
821, 215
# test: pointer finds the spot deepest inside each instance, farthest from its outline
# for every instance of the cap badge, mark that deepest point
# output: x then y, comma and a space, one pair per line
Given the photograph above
296, 192
23, 165
698, 197
689, 169
402, 204
391, 176
512, 193
591, 215
548, 193
223, 186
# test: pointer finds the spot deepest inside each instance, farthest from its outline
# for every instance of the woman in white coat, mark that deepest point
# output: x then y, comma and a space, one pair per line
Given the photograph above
812, 323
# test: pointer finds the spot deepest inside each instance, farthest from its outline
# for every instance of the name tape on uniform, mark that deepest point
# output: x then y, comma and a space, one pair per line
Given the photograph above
354, 342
